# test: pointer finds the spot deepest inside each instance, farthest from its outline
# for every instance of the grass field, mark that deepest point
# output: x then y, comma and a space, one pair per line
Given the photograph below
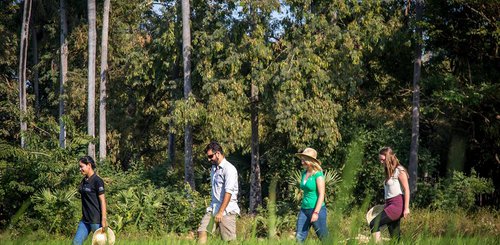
423, 227
338, 238
176, 241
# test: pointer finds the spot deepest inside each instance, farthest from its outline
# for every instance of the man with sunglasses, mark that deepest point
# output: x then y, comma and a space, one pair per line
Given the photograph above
223, 208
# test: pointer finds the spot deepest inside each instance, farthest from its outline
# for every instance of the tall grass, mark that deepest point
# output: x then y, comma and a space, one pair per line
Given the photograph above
271, 209
345, 194
422, 240
423, 227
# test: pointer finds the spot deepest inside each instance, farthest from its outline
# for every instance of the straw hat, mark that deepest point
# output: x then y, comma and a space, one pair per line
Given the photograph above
373, 212
100, 237
309, 154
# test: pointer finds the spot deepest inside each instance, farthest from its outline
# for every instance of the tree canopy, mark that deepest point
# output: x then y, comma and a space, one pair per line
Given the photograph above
327, 73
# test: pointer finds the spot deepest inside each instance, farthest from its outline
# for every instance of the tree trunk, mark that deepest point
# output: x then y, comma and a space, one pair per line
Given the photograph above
23, 55
64, 71
413, 167
171, 147
186, 54
102, 87
255, 181
34, 48
91, 76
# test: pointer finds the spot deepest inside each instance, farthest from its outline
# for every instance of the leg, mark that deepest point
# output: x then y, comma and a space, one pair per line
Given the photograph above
94, 227
202, 230
202, 237
303, 224
82, 232
394, 229
320, 224
228, 227
377, 237
379, 221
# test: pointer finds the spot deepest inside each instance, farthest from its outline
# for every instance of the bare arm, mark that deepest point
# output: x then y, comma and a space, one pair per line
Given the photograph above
102, 199
320, 185
403, 179
225, 202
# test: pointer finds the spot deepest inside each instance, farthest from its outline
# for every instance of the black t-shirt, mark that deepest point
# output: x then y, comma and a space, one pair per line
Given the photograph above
90, 189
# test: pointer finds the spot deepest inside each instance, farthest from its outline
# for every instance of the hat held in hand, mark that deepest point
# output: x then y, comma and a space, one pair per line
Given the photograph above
101, 237
373, 212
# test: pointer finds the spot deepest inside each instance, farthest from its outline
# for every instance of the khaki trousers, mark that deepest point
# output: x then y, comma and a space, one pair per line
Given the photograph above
227, 227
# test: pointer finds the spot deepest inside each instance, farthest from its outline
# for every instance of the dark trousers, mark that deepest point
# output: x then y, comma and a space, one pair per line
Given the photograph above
381, 220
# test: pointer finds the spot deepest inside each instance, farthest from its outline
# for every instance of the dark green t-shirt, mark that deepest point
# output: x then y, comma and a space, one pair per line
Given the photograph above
310, 190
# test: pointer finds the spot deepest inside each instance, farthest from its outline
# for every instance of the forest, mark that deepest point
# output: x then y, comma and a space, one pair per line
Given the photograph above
143, 86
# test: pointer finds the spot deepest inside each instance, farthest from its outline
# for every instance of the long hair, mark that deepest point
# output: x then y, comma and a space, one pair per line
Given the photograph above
315, 166
391, 162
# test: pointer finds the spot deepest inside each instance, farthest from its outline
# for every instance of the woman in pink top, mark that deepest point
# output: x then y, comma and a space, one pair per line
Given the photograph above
397, 202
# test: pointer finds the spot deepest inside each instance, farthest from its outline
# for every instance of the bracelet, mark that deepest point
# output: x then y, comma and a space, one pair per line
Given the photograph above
315, 213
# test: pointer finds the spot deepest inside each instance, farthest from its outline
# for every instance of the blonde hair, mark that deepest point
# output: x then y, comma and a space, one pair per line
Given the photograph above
391, 162
314, 165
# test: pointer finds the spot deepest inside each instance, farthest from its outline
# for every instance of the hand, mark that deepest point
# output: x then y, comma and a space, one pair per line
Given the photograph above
406, 212
104, 225
218, 217
314, 217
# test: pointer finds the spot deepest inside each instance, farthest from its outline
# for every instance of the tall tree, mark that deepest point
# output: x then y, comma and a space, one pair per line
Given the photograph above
23, 54
186, 54
463, 85
102, 86
258, 60
92, 36
255, 181
171, 144
34, 48
63, 70
415, 115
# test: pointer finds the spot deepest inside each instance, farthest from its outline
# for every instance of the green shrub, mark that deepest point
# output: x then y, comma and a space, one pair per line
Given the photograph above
148, 208
56, 211
25, 173
459, 222
460, 191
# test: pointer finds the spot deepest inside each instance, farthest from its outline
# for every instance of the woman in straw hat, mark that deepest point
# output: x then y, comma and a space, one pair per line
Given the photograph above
312, 210
396, 205
93, 201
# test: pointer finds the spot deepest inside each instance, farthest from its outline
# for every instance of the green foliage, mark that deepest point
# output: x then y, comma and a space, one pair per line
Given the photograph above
345, 198
460, 191
147, 208
54, 210
31, 170
329, 75
9, 40
49, 184
271, 210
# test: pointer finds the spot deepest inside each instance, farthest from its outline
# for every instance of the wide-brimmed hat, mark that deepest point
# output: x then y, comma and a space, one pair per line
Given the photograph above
373, 212
310, 155
100, 237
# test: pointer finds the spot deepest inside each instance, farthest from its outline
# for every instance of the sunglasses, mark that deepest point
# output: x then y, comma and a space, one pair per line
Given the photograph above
211, 156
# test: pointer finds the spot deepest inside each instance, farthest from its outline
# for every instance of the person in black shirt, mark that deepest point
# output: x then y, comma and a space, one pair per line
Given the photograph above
93, 201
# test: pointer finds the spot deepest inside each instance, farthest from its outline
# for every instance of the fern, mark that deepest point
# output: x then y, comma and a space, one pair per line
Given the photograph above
8, 151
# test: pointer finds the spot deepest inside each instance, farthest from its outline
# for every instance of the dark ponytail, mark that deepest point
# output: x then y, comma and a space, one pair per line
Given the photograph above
87, 160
